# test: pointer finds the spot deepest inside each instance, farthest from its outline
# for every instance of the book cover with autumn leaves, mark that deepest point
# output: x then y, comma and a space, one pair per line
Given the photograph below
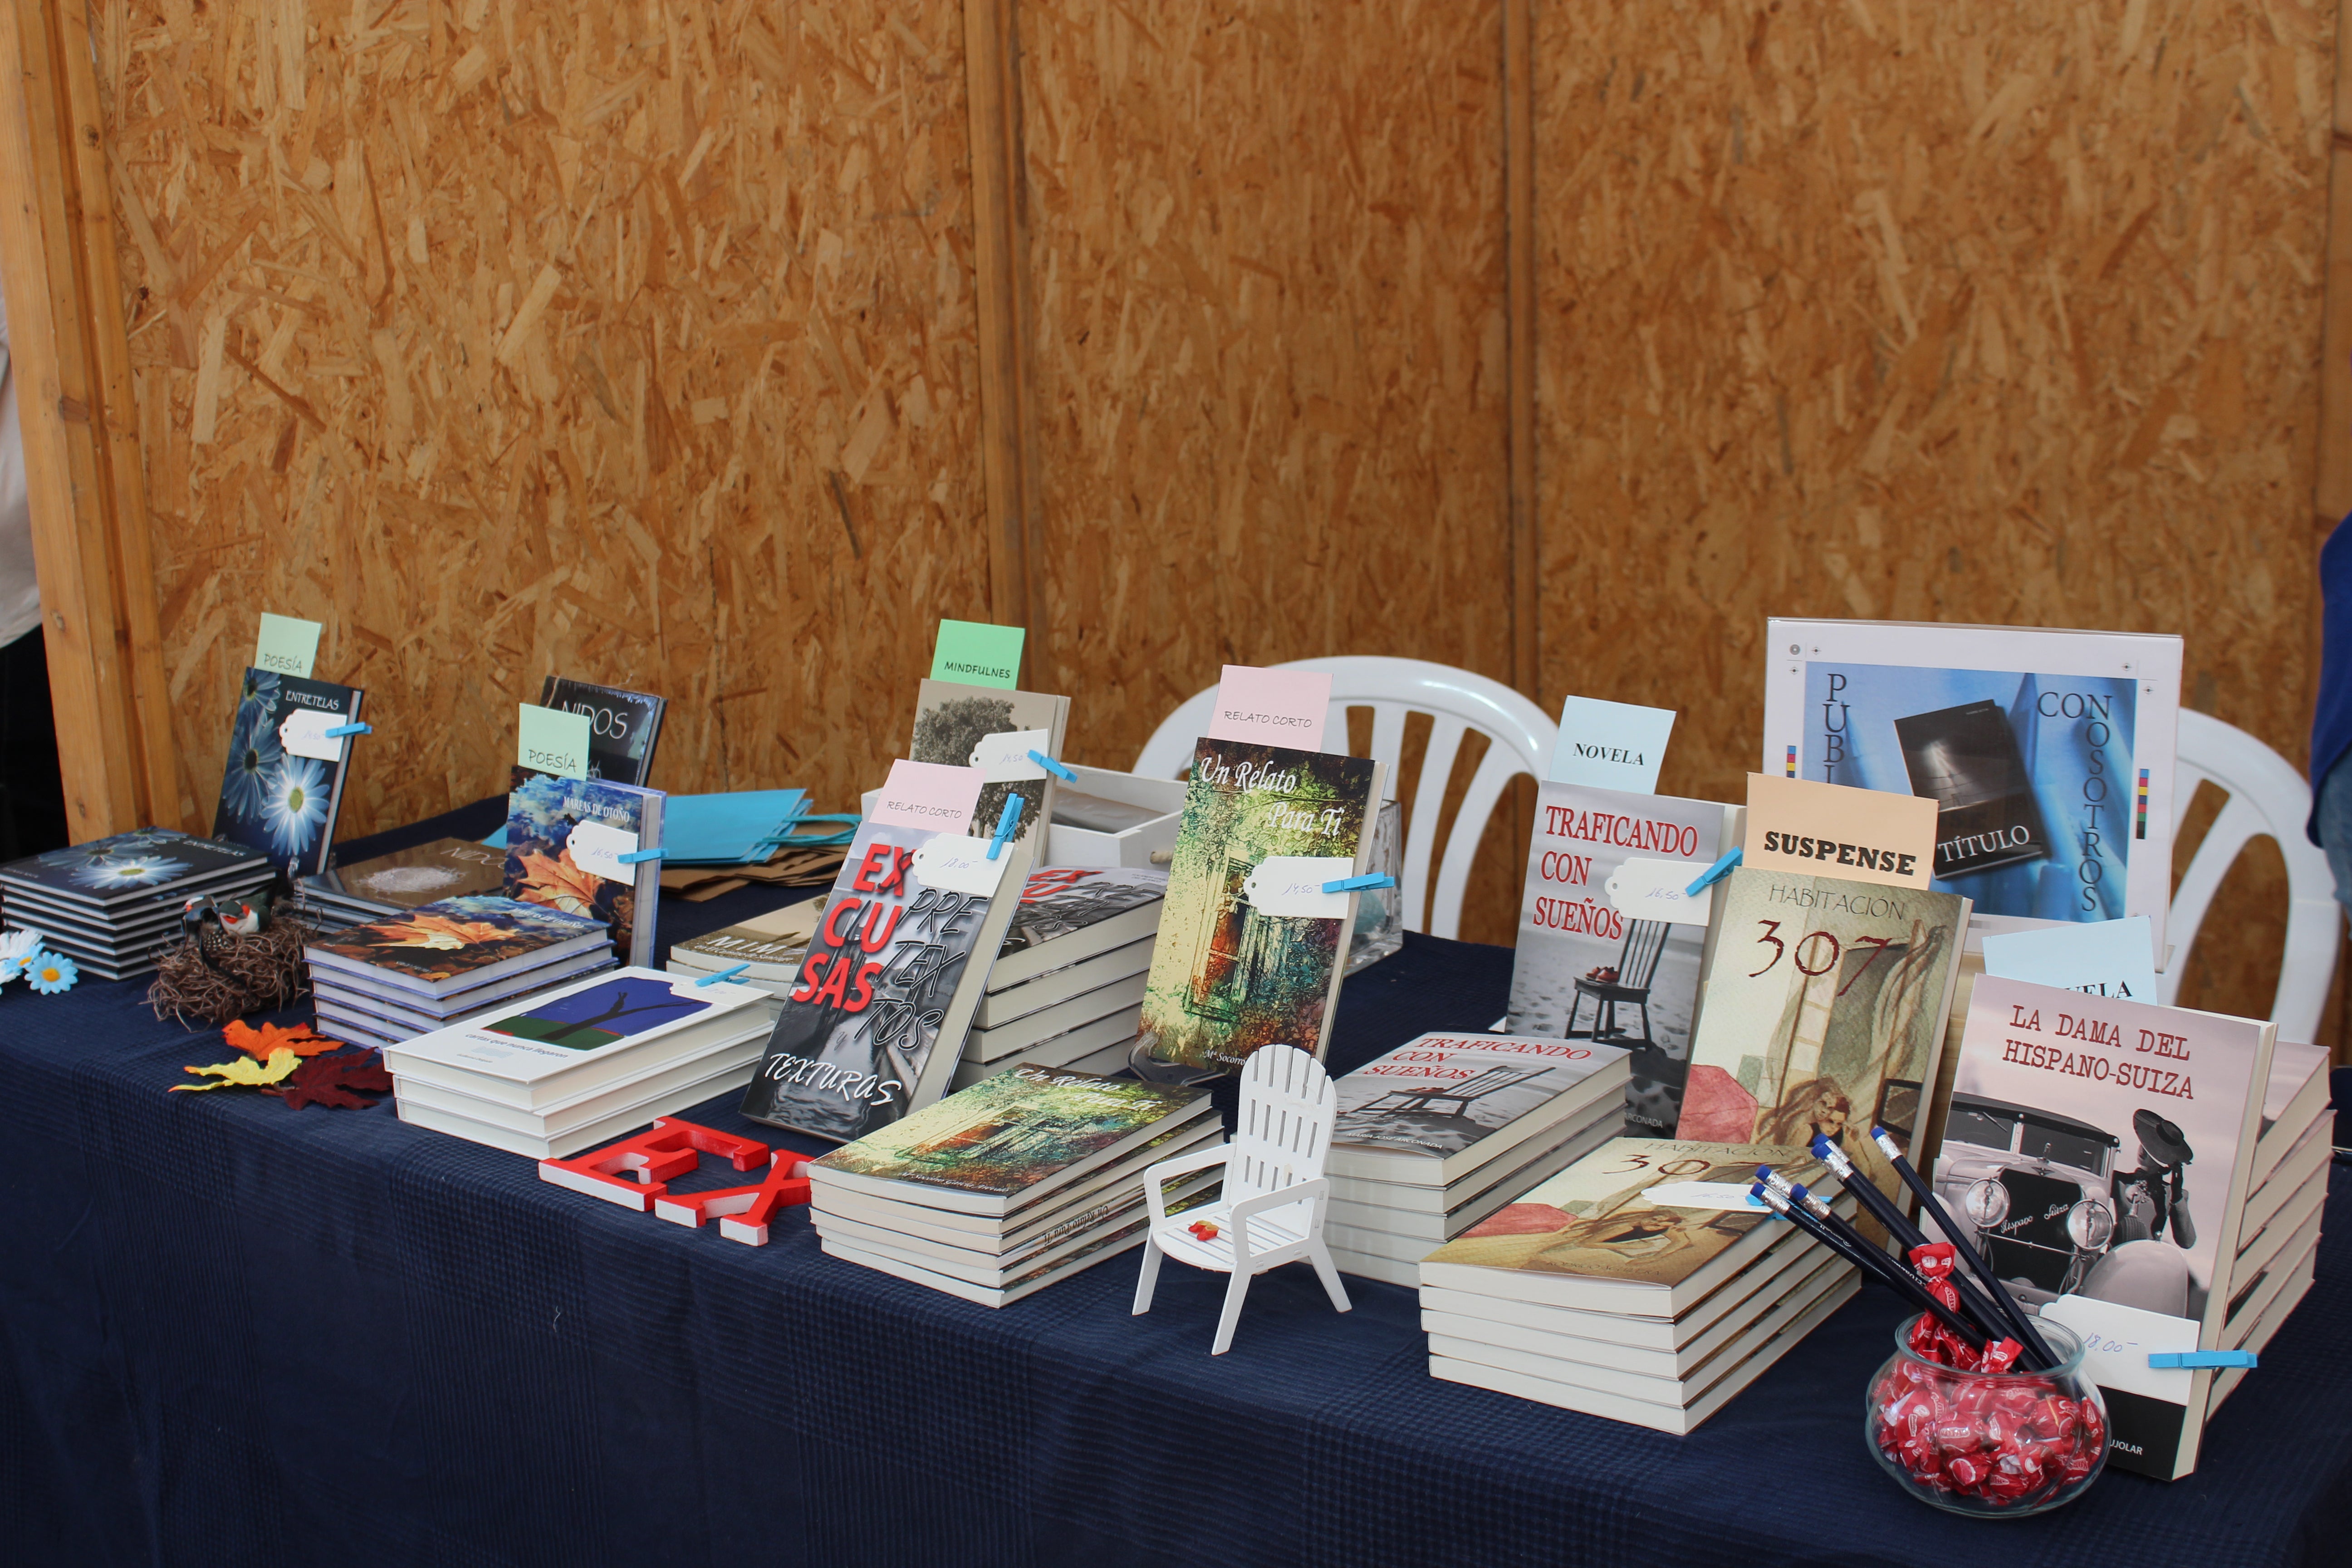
458, 939
545, 865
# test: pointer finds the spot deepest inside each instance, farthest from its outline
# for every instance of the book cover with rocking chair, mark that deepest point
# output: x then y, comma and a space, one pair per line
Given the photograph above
1584, 971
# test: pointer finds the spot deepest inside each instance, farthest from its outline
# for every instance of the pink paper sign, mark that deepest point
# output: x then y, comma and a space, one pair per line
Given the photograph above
1271, 707
927, 795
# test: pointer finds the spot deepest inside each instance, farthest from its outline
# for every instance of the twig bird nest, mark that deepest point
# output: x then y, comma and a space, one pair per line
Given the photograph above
255, 974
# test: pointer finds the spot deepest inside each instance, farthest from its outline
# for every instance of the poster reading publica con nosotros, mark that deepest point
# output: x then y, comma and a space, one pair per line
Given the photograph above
2049, 753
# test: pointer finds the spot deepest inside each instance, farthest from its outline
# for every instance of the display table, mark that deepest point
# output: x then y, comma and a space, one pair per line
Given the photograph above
239, 1334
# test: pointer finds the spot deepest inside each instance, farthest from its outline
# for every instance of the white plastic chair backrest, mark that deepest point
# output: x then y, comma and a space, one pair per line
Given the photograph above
1521, 740
1284, 1128
2267, 797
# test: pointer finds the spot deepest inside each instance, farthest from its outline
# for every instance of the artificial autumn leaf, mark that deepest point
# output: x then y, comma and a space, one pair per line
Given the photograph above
245, 1071
329, 1081
558, 883
442, 934
263, 1043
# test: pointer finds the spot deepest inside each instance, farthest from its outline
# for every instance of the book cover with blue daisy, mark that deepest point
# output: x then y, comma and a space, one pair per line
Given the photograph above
283, 783
124, 867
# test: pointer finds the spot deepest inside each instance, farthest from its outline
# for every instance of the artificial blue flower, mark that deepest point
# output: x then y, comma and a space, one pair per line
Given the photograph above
51, 973
296, 805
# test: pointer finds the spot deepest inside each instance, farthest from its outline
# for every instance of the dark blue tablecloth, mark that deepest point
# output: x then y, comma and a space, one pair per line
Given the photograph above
234, 1333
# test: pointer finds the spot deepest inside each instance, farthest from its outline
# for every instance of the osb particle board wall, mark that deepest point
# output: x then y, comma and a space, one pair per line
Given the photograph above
2002, 312
643, 342
635, 341
1267, 278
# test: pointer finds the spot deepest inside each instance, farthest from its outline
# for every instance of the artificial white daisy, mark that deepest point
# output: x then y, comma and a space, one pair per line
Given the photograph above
16, 947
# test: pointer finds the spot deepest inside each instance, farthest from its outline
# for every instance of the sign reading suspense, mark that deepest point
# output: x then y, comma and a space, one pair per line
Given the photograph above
1861, 835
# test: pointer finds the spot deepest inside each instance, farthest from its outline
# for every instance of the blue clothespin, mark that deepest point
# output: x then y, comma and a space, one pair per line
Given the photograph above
1051, 766
1352, 884
722, 974
1004, 825
634, 856
1712, 875
2202, 1358
342, 729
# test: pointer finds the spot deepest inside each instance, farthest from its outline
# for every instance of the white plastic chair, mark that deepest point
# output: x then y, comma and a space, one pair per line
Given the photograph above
2267, 797
1521, 740
1270, 1211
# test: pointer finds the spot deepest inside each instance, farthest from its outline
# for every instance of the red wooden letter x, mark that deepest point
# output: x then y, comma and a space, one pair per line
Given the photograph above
670, 1149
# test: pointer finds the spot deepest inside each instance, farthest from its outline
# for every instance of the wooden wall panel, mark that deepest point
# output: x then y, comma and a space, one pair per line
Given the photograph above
633, 340
1266, 269
2003, 312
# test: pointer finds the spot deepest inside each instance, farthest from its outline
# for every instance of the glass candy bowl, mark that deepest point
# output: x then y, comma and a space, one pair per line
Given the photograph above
1999, 1445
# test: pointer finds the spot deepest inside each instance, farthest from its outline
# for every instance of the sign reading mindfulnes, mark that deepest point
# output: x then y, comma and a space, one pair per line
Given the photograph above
553, 742
286, 646
1271, 707
1829, 830
977, 654
1611, 745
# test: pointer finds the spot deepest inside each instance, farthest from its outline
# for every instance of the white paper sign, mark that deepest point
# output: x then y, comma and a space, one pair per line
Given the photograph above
1002, 759
304, 733
1652, 890
1611, 745
960, 864
1701, 1195
2118, 1340
597, 848
1292, 885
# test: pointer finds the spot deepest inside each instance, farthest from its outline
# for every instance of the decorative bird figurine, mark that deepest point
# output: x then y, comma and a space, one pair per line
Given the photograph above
202, 921
246, 921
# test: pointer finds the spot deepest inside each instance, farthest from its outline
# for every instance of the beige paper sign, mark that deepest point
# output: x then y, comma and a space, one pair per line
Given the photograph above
1829, 830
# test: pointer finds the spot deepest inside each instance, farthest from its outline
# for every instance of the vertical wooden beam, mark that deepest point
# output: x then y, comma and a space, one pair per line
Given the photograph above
1008, 437
1519, 286
68, 480
114, 422
2332, 491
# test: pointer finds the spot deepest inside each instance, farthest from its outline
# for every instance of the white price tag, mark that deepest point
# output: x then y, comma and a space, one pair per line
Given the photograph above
597, 848
2118, 1340
1701, 1195
1002, 759
1292, 885
304, 734
961, 865
1649, 889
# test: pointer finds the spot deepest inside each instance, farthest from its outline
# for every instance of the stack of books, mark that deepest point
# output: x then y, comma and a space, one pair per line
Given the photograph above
2278, 1245
446, 963
770, 949
581, 1064
113, 905
1446, 1129
1638, 1284
391, 885
1066, 989
1004, 1188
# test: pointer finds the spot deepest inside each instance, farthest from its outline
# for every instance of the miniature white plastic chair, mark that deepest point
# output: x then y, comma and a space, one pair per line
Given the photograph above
1521, 740
1270, 1212
2267, 797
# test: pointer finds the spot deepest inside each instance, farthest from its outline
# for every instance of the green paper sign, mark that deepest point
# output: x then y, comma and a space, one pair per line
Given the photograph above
977, 654
553, 742
286, 646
